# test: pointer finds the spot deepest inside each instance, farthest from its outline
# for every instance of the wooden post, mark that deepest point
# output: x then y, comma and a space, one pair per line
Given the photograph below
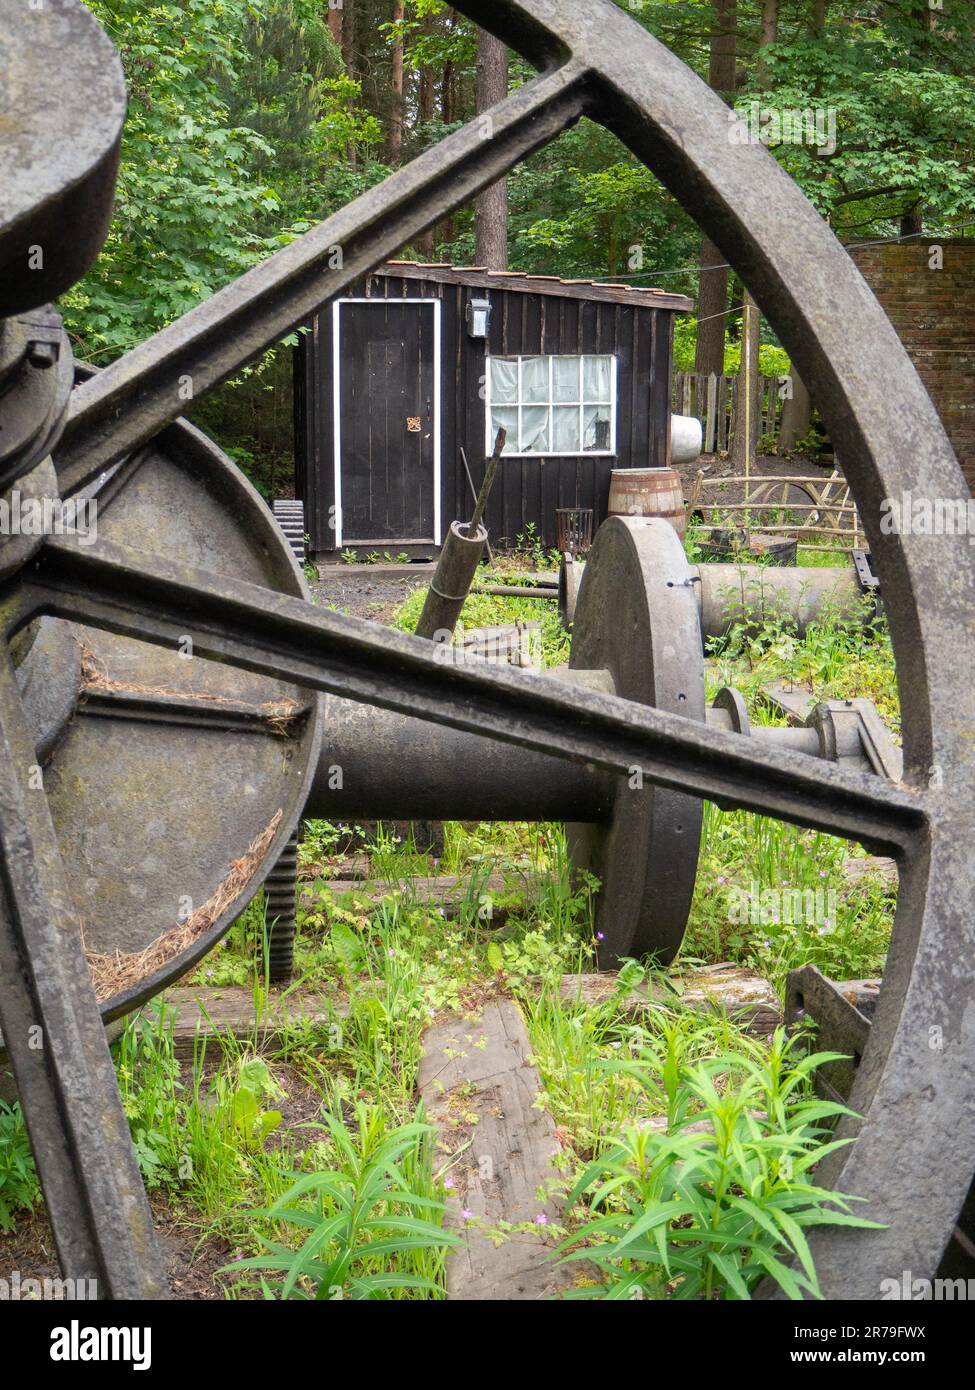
457, 566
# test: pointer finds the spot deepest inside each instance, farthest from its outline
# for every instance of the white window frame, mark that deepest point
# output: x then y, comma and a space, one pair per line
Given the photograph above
519, 405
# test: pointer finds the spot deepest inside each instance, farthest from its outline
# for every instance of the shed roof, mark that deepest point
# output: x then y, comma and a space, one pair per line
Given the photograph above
478, 277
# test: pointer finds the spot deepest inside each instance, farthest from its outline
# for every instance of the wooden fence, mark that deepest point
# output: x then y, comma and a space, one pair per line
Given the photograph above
820, 512
714, 401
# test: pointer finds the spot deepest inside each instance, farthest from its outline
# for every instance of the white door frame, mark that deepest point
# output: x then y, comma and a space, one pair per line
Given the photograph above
437, 307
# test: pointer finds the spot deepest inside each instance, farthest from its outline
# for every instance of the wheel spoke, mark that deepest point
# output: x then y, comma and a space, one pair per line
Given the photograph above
112, 587
56, 1041
148, 388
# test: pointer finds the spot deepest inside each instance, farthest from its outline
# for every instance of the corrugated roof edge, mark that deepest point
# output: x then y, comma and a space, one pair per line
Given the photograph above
478, 277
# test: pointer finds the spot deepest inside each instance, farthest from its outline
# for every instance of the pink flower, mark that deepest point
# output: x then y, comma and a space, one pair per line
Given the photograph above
449, 1184
467, 1214
600, 936
541, 1219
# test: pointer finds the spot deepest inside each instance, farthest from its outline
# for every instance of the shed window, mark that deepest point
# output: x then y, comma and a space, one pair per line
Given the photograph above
552, 405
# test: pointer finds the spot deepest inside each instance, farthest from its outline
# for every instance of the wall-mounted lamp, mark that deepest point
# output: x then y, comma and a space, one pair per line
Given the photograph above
478, 318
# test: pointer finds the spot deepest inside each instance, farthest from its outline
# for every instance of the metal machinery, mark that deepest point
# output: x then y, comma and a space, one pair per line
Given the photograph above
637, 636
190, 781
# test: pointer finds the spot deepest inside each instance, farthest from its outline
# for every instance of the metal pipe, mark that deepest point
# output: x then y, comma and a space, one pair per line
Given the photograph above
451, 582
730, 593
380, 765
384, 766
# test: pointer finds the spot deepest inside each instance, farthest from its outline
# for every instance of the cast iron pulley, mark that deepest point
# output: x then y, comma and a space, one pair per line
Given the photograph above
918, 1130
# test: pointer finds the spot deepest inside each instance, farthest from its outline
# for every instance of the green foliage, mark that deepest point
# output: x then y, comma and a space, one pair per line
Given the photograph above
190, 195
19, 1186
774, 897
239, 1100
372, 1229
490, 610
718, 1197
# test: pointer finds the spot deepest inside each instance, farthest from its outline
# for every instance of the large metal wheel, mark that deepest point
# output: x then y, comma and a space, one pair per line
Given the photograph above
637, 621
914, 1155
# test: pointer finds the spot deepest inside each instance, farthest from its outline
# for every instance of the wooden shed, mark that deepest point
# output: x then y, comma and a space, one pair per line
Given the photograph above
419, 362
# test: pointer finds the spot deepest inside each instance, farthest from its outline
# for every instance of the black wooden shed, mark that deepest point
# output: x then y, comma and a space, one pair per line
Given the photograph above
418, 362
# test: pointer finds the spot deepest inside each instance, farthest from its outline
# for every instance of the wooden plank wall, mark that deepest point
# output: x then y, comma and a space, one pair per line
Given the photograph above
714, 401
527, 490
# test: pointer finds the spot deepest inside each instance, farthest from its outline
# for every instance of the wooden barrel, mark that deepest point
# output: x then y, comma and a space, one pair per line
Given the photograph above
648, 492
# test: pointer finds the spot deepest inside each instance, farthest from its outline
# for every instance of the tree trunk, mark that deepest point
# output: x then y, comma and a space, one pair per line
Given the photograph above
491, 215
445, 230
749, 394
912, 223
394, 144
712, 305
335, 27
427, 108
796, 415
713, 293
348, 57
770, 34
817, 18
427, 93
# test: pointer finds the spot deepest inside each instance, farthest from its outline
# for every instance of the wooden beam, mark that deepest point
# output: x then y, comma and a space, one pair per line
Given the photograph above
479, 1090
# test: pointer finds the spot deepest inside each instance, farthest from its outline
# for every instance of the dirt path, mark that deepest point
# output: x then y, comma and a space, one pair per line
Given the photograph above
353, 589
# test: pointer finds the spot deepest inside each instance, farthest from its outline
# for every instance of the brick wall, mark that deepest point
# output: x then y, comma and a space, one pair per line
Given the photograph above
933, 312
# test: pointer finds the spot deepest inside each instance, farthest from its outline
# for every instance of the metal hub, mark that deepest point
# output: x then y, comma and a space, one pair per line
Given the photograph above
918, 1131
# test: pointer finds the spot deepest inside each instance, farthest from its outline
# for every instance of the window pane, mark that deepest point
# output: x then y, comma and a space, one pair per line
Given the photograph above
534, 380
534, 429
566, 430
596, 434
596, 378
566, 378
504, 380
505, 419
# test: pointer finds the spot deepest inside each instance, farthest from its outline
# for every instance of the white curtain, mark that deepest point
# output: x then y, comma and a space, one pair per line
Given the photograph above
505, 418
595, 428
504, 381
566, 429
534, 380
534, 430
596, 378
566, 378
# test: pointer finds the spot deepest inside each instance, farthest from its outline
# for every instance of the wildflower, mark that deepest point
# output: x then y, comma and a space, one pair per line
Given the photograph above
467, 1214
541, 1219
391, 953
449, 1185
600, 936
722, 880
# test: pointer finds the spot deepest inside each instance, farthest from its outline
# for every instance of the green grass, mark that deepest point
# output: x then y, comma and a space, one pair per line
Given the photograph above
668, 1125
494, 610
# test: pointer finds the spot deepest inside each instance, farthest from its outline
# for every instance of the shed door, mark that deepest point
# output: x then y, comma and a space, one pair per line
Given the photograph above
387, 441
